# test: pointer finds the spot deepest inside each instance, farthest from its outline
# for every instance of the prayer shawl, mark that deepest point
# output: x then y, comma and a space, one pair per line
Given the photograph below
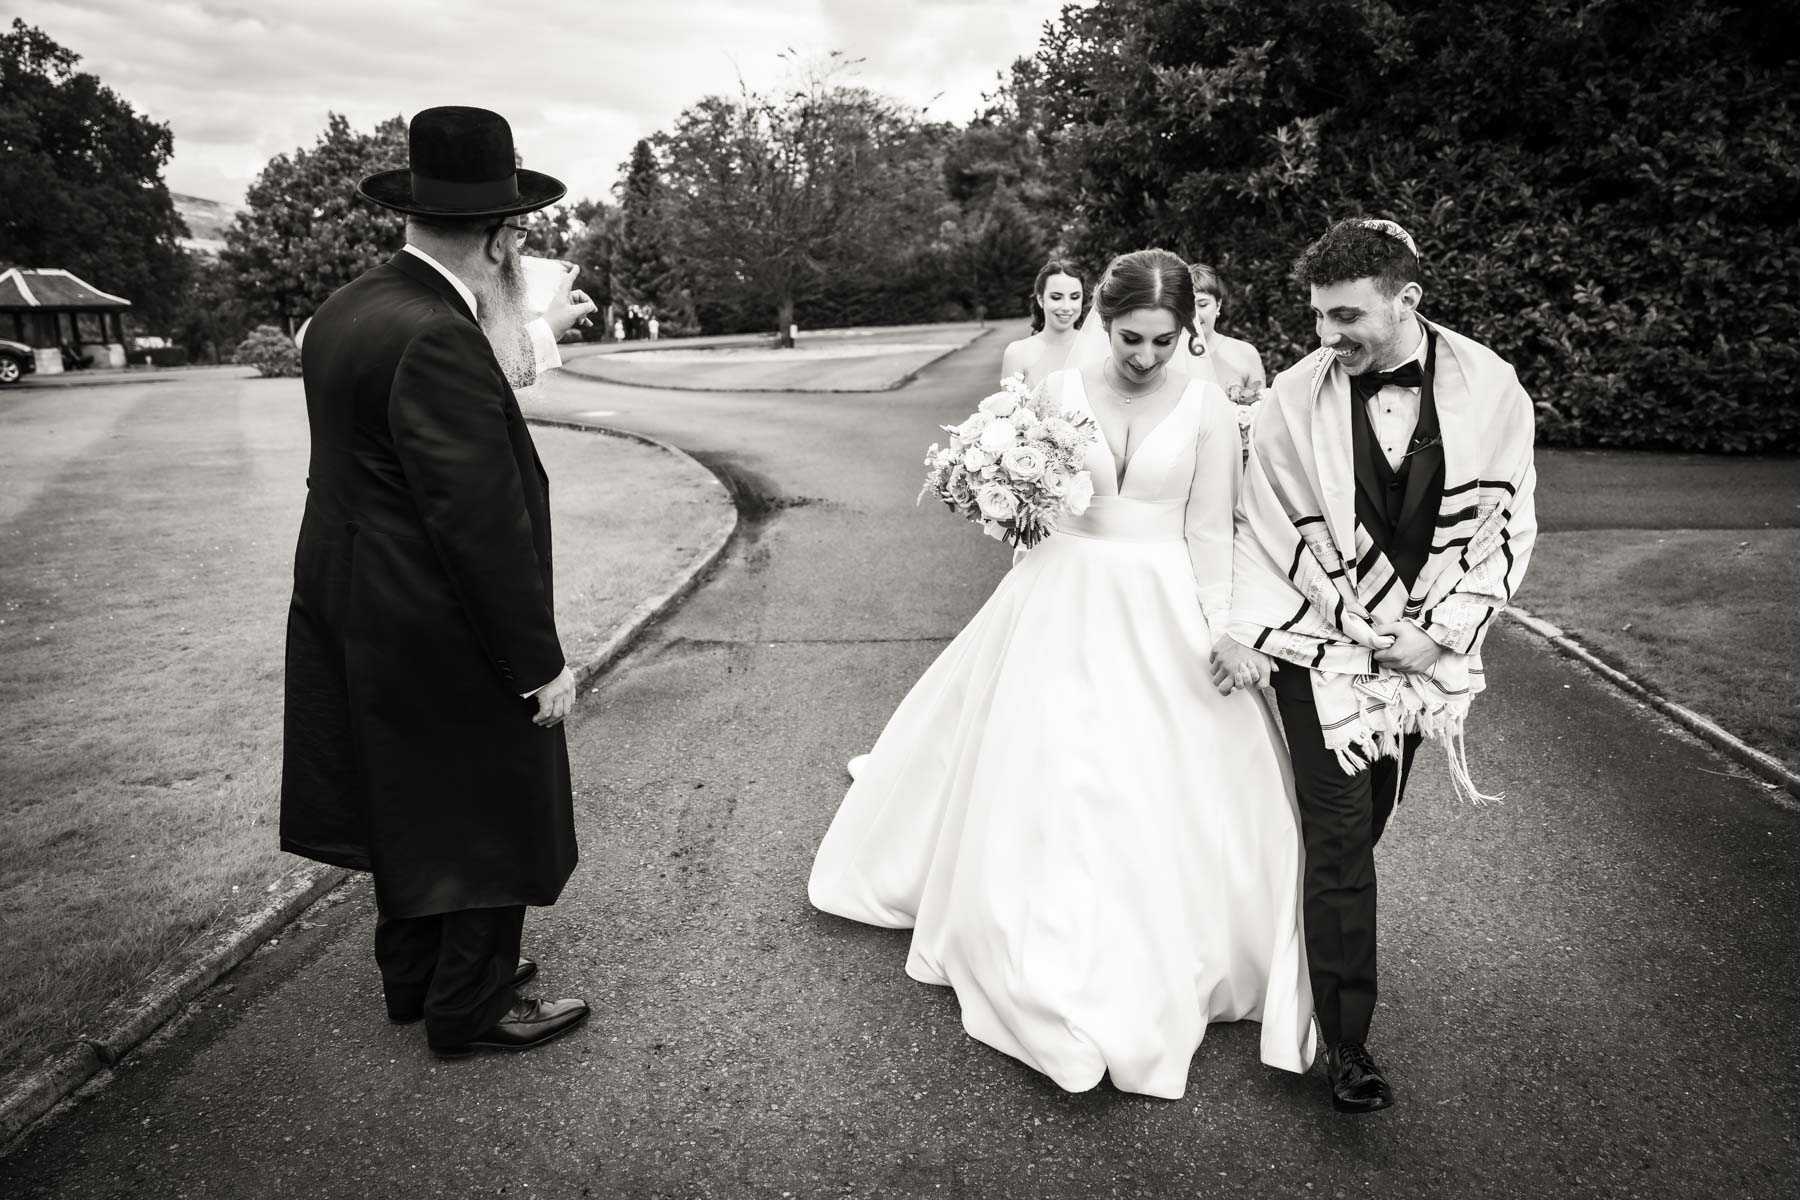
1308, 583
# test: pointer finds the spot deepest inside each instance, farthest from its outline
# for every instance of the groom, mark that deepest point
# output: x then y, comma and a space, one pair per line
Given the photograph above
425, 680
1386, 518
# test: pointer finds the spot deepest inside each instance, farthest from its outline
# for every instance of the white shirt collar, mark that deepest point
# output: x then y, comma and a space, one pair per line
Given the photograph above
462, 289
1418, 355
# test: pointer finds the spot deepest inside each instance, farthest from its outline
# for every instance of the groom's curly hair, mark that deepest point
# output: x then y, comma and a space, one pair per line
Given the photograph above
1351, 250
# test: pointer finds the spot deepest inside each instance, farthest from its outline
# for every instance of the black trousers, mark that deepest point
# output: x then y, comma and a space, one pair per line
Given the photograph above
1341, 818
456, 967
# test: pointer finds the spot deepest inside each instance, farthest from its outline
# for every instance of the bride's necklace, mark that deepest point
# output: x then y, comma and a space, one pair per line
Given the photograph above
1106, 370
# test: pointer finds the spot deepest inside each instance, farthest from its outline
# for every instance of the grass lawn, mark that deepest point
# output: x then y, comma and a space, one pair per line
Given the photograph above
821, 364
1705, 616
146, 550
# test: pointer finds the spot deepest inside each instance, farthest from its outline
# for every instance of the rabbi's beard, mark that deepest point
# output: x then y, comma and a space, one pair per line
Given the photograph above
504, 318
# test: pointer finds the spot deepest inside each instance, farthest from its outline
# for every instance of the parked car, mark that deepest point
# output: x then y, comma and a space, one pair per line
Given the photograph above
16, 361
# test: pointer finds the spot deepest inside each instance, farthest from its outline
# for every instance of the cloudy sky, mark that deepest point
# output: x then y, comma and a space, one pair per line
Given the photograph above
580, 80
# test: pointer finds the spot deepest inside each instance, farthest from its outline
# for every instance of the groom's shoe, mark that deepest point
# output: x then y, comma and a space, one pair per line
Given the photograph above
528, 1023
1357, 1084
411, 1016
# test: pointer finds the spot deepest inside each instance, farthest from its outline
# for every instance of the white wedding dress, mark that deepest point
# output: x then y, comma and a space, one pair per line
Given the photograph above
1092, 846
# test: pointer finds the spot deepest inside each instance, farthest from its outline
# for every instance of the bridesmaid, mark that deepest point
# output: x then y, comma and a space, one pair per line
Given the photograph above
1056, 300
1235, 363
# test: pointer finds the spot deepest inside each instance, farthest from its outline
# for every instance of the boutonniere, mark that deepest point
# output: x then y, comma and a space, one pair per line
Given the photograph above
1419, 444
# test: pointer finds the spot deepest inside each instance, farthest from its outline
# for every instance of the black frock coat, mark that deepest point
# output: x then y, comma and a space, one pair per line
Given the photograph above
422, 607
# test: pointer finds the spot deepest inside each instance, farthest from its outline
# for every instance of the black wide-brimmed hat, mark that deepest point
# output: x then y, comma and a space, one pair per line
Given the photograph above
460, 163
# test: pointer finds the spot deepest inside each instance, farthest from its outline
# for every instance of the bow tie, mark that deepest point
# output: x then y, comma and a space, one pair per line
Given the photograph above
1407, 374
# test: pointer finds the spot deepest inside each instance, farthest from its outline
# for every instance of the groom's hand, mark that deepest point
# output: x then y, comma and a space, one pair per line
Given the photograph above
1235, 665
555, 699
1409, 648
568, 308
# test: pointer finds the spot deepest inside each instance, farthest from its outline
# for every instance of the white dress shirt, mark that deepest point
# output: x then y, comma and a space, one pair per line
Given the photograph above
543, 348
1394, 410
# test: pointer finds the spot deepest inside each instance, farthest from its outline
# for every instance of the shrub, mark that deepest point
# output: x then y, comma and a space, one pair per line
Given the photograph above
1606, 193
270, 351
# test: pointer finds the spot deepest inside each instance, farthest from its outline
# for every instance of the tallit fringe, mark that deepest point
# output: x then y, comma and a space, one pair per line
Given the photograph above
1445, 725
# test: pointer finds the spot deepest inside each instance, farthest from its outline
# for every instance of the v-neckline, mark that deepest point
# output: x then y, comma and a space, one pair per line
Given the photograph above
1120, 474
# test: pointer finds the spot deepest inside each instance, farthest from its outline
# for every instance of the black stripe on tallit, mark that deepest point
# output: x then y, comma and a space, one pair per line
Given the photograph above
1367, 562
1285, 626
1445, 520
1294, 567
1381, 595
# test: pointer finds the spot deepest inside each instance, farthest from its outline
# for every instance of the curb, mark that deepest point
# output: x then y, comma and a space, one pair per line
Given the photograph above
130, 1021
641, 618
1766, 766
169, 375
893, 386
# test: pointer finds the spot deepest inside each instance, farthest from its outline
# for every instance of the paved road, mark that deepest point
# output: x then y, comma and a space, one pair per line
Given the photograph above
1589, 991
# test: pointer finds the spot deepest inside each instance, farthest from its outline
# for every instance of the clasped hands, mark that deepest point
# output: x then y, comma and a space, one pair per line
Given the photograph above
1401, 645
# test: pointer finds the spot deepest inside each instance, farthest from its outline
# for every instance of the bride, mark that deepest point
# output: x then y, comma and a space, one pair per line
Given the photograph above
1094, 847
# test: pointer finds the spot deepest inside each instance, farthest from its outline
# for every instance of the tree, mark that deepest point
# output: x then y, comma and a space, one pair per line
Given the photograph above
304, 232
1605, 192
82, 185
645, 268
767, 192
210, 318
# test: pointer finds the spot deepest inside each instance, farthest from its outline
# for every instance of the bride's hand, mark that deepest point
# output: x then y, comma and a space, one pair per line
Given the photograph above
1235, 665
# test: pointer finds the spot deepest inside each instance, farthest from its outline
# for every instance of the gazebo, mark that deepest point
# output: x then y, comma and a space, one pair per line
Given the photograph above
47, 308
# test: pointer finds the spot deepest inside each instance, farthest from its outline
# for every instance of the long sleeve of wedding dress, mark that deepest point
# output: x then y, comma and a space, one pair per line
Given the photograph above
1212, 500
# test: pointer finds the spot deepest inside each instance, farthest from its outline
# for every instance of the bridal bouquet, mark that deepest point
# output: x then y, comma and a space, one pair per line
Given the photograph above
1247, 396
1015, 467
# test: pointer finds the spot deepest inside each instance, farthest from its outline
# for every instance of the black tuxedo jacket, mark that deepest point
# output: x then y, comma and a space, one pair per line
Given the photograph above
422, 607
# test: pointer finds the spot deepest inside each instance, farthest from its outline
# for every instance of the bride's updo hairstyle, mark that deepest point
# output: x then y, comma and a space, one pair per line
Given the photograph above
1149, 279
1055, 266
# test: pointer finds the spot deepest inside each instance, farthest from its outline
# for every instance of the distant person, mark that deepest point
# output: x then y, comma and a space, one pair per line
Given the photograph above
618, 329
1056, 304
1235, 363
653, 326
426, 683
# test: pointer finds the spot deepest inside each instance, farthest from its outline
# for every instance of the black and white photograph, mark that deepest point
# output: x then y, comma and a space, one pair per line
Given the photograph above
971, 599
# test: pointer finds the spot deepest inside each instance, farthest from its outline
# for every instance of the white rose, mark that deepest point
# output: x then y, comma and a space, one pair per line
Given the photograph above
1024, 418
1056, 482
1000, 404
998, 436
1081, 492
1024, 462
972, 428
997, 503
975, 458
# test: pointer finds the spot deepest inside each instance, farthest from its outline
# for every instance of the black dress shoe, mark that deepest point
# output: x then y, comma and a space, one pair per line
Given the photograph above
527, 1023
1357, 1084
521, 976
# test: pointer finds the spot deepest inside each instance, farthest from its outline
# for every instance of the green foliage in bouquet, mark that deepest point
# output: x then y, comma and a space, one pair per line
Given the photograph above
270, 351
1607, 193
